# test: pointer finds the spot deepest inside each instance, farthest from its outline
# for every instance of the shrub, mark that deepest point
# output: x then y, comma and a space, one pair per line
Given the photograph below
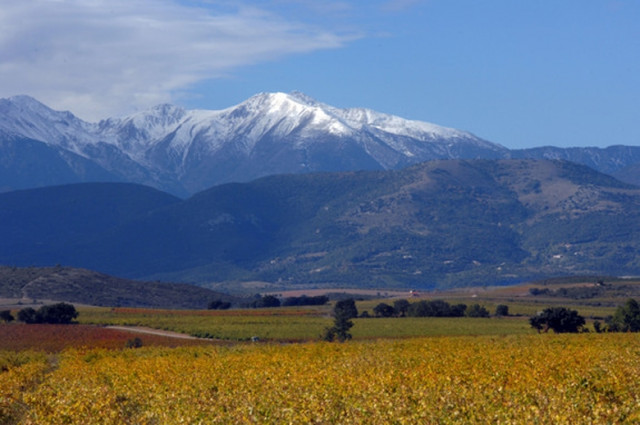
133, 343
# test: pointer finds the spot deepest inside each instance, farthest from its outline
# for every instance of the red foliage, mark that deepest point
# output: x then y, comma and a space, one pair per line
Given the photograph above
53, 338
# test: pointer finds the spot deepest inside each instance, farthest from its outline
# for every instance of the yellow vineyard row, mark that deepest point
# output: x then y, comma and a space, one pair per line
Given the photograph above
532, 379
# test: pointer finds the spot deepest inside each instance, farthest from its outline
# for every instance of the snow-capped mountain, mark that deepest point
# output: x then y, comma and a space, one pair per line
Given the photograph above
184, 151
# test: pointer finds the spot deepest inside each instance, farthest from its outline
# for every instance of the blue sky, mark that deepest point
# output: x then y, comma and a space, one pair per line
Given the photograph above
519, 73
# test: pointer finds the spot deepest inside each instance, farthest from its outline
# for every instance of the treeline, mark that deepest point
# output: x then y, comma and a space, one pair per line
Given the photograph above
563, 320
433, 308
61, 313
270, 301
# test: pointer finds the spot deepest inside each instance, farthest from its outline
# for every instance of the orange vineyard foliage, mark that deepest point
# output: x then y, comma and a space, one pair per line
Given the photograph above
526, 379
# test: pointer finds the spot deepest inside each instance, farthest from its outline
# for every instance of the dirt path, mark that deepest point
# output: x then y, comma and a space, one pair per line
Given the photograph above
151, 331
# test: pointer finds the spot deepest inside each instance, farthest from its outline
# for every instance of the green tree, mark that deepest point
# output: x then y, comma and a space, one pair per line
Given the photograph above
219, 305
559, 319
61, 313
384, 310
268, 301
401, 307
343, 312
476, 310
626, 318
6, 316
502, 310
28, 315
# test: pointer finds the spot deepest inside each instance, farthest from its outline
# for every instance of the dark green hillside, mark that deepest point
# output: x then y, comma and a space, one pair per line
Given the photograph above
47, 226
88, 287
436, 224
27, 163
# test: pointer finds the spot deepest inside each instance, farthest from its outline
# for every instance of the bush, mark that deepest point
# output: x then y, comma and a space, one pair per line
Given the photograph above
134, 343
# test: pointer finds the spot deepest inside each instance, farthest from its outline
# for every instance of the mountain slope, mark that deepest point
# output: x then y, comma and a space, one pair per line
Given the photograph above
439, 223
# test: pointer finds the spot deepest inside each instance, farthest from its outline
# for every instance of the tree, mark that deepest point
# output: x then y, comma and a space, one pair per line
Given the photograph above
384, 310
502, 310
343, 312
401, 307
435, 308
267, 301
6, 316
61, 313
28, 315
559, 319
219, 305
476, 310
626, 318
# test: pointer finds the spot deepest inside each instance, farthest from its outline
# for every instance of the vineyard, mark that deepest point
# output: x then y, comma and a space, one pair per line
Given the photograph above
291, 324
532, 379
395, 370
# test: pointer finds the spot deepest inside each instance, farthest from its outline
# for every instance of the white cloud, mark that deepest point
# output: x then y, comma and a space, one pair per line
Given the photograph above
106, 57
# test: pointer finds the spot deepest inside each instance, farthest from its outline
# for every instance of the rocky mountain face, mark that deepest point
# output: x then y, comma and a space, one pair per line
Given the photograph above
435, 224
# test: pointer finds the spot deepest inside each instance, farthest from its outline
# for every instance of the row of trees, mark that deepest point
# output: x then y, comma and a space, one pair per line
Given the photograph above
434, 308
561, 320
270, 301
61, 313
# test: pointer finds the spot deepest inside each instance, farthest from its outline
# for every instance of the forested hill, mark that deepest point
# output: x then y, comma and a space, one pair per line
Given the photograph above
88, 287
435, 224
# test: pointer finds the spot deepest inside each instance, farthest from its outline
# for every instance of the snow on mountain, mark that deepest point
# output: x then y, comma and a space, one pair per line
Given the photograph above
168, 146
24, 116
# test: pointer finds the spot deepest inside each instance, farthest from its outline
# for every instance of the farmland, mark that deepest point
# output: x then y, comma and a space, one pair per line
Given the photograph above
395, 370
544, 379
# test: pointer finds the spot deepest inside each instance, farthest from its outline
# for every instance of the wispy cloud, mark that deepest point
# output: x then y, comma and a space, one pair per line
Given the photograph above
105, 57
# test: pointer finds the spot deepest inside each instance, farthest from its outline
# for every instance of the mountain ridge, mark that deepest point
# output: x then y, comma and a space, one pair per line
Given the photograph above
183, 151
435, 224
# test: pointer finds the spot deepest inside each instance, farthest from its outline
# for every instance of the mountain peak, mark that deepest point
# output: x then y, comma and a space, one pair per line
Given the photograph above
270, 133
